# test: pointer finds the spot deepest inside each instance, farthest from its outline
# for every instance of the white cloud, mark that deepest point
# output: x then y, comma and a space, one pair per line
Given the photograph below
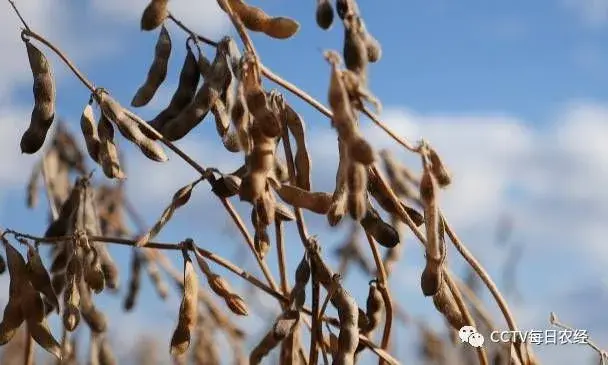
205, 16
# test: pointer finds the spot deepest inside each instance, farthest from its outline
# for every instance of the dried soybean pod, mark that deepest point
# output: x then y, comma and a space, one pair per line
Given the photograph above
205, 97
281, 27
446, 304
11, 321
108, 153
317, 202
2, 265
89, 131
41, 333
39, 277
154, 14
339, 199
431, 278
93, 272
295, 124
180, 198
375, 306
43, 113
95, 319
130, 129
355, 48
157, 72
374, 49
180, 340
342, 8
302, 276
17, 269
324, 14
284, 326
71, 297
108, 266
382, 232
134, 282
441, 173
13, 313
59, 227
357, 184
189, 78
261, 242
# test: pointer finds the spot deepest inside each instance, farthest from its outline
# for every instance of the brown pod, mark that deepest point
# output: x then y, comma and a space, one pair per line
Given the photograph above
154, 14
11, 321
264, 116
157, 72
41, 333
130, 129
324, 14
382, 232
96, 320
188, 313
89, 132
43, 113
189, 78
441, 173
39, 277
355, 48
93, 272
342, 8
361, 151
374, 50
261, 242
446, 304
108, 152
281, 27
431, 279
317, 202
200, 105
226, 186
254, 18
357, 197
71, 297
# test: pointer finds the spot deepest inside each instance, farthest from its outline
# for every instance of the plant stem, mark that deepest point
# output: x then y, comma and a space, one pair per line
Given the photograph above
481, 351
187, 30
281, 258
386, 296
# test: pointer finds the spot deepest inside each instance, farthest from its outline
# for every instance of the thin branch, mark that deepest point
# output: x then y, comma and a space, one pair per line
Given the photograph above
281, 257
193, 34
557, 323
386, 296
19, 14
30, 33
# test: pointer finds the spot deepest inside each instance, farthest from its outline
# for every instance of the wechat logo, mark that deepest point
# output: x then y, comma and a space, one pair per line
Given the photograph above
470, 335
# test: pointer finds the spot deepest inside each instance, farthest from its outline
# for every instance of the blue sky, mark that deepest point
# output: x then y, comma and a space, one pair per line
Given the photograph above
511, 94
